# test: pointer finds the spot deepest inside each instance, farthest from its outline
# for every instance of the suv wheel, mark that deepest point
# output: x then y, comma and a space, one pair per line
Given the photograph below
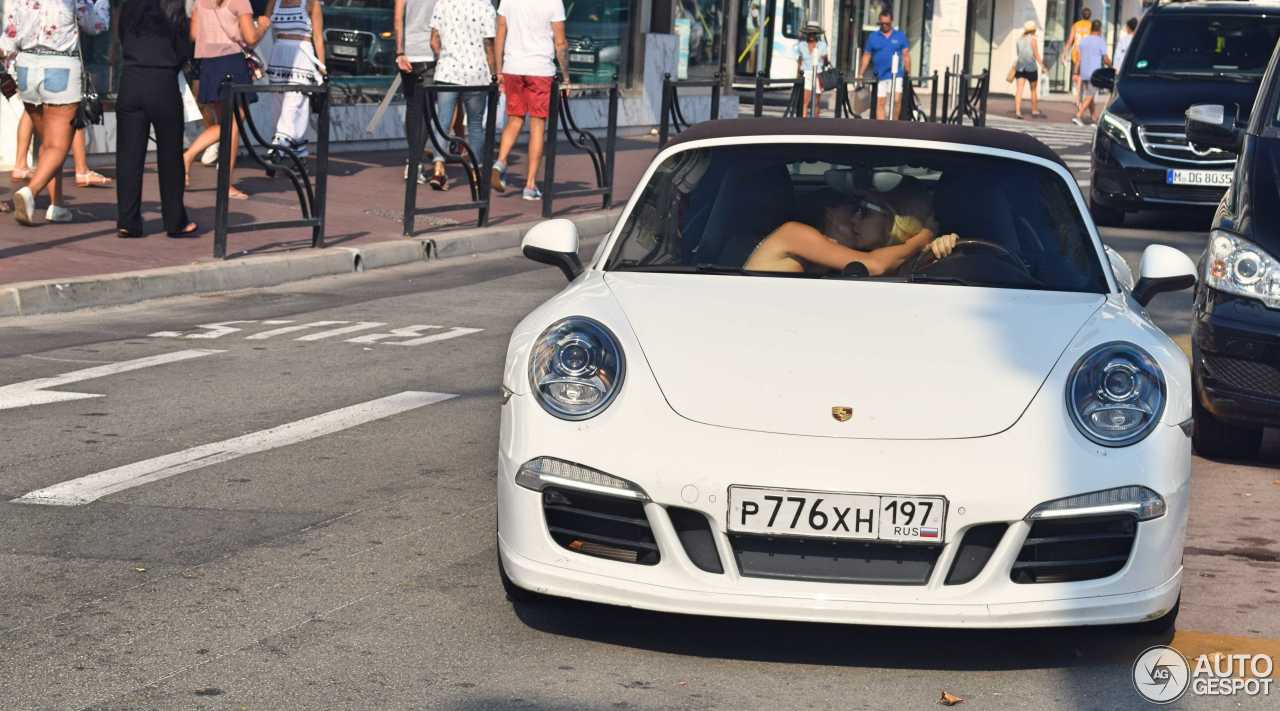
1106, 216
1214, 438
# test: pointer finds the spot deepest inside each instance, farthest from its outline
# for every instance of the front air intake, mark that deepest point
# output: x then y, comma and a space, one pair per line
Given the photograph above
600, 526
1072, 549
975, 550
694, 531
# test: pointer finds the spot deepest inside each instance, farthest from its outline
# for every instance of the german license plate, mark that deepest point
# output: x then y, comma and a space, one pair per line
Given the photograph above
820, 514
582, 58
1212, 178
345, 51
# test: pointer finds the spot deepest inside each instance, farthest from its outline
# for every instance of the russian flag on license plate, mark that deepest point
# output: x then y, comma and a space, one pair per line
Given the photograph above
928, 533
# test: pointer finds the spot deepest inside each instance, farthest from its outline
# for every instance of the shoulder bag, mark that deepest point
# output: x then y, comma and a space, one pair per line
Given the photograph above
90, 109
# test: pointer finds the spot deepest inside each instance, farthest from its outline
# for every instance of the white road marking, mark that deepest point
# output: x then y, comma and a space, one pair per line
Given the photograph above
291, 329
414, 335
451, 333
88, 489
36, 392
406, 332
358, 326
212, 330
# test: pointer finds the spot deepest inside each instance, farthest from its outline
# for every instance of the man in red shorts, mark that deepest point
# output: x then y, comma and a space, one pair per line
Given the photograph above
530, 38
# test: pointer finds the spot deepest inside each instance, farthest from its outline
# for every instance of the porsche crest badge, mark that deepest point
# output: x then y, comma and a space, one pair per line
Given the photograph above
841, 413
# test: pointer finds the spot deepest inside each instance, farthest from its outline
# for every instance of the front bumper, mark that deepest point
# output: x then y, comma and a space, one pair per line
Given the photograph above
1236, 364
1126, 180
986, 480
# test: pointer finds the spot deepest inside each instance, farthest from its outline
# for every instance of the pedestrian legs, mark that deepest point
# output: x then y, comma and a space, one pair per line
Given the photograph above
131, 151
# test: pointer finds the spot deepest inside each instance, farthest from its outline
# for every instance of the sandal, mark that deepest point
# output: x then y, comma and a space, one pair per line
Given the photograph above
439, 181
237, 194
19, 175
93, 179
191, 229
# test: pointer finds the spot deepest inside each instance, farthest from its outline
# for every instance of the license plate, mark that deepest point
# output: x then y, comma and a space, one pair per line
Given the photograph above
582, 58
345, 51
820, 514
1212, 178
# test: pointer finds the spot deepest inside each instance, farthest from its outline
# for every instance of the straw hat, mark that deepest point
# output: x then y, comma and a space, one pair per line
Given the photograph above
1029, 26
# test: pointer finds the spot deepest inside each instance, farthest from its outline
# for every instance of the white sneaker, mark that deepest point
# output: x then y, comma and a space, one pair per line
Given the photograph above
24, 206
210, 155
58, 213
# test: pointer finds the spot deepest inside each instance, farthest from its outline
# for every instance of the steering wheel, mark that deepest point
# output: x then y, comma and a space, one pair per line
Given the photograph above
925, 258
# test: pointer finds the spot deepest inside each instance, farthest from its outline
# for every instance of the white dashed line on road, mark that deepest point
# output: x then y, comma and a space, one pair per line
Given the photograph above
415, 335
88, 489
36, 392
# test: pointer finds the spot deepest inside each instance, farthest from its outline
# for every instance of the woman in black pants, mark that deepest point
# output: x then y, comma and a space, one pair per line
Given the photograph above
155, 40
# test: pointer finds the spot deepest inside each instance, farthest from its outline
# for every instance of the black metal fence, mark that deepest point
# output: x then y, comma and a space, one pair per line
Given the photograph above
963, 98
273, 159
672, 119
602, 157
795, 95
425, 124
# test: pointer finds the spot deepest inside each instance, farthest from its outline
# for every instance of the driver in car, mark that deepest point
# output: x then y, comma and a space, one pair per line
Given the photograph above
857, 229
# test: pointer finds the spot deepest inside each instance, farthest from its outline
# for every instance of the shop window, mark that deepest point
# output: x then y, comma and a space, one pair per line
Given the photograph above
706, 32
597, 34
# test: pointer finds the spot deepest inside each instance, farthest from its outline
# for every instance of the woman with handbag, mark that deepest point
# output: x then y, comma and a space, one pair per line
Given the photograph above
45, 36
154, 41
1026, 70
811, 54
223, 31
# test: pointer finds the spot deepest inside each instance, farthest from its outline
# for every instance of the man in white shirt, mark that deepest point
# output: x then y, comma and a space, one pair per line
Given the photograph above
462, 38
530, 39
1124, 40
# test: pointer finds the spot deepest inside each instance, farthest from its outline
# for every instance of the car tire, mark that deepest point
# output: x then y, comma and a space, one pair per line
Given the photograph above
1106, 216
515, 594
1214, 438
1161, 626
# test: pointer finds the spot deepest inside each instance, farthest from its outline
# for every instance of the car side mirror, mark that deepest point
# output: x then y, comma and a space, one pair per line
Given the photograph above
554, 242
1163, 269
1214, 126
1104, 78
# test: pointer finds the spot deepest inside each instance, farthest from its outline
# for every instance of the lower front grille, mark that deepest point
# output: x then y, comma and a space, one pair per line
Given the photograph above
1067, 550
1181, 193
975, 550
1247, 375
600, 526
817, 560
694, 531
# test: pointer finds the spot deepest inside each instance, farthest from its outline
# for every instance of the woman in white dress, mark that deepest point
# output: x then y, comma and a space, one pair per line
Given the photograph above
812, 56
298, 34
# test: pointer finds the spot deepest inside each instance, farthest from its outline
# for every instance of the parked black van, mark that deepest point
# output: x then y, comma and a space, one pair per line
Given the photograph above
1235, 331
1184, 53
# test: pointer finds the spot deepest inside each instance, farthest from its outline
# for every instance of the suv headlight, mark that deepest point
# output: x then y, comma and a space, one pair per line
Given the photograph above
1117, 129
1116, 394
1240, 267
576, 368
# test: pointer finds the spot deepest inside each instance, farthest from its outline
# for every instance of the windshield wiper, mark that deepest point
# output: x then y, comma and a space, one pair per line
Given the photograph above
919, 278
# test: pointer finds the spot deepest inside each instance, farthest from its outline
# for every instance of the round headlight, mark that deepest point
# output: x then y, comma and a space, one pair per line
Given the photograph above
1116, 394
576, 368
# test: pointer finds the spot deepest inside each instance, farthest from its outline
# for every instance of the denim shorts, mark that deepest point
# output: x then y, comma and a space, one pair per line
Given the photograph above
48, 79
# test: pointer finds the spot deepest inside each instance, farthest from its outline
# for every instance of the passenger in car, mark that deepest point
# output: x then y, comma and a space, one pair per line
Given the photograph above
853, 230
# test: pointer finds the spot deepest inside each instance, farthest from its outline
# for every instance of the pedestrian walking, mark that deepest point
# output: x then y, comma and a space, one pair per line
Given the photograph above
462, 34
1026, 70
1071, 52
1124, 40
86, 177
155, 39
812, 56
1093, 56
530, 40
297, 31
222, 30
887, 51
417, 64
45, 37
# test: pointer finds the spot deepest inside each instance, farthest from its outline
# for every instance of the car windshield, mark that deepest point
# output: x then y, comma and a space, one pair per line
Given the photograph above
1199, 45
840, 212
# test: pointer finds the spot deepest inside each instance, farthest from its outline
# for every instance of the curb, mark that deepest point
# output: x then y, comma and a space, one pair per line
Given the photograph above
50, 297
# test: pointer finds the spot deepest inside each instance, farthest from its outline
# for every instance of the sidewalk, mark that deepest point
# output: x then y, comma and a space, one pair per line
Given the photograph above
1055, 110
365, 204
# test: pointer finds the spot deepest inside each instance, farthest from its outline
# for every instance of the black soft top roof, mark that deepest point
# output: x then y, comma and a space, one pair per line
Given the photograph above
823, 128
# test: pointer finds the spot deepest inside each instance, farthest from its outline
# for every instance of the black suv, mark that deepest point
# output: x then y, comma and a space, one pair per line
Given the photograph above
1184, 53
1235, 330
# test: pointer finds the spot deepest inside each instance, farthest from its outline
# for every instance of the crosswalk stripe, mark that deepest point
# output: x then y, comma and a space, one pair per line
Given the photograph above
92, 487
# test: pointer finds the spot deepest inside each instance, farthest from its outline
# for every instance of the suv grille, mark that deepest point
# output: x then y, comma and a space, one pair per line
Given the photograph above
600, 526
1170, 143
828, 561
1066, 550
1180, 193
1246, 375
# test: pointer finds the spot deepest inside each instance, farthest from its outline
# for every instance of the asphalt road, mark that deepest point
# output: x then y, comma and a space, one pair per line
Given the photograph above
207, 556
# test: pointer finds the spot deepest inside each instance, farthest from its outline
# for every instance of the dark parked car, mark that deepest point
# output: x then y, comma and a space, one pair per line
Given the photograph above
595, 30
358, 37
1184, 53
1235, 332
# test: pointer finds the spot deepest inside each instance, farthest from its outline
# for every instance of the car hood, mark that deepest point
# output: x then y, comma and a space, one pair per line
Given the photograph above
911, 361
1152, 100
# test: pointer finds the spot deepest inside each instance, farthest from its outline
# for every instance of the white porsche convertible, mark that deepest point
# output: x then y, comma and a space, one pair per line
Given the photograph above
850, 371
